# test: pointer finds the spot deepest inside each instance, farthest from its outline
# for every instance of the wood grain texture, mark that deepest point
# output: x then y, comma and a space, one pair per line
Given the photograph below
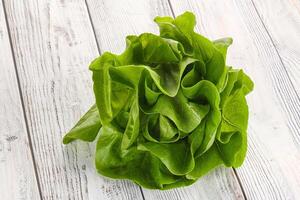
18, 180
112, 21
271, 170
53, 44
282, 21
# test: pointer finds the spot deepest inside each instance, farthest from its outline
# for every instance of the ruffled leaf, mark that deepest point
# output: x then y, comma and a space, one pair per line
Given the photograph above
86, 128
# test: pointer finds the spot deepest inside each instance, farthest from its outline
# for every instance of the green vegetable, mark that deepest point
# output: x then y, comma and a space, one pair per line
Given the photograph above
168, 110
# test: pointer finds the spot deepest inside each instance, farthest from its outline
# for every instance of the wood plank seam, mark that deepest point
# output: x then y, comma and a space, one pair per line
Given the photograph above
22, 101
234, 171
99, 52
240, 183
142, 192
93, 27
171, 7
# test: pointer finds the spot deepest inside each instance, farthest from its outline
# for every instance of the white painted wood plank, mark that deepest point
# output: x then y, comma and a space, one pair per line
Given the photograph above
54, 44
282, 21
218, 184
115, 19
18, 180
287, 156
271, 170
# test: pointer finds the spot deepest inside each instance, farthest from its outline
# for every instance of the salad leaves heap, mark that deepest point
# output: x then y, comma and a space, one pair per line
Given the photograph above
168, 109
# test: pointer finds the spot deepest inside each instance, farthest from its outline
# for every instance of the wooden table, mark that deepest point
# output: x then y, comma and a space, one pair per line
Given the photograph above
45, 86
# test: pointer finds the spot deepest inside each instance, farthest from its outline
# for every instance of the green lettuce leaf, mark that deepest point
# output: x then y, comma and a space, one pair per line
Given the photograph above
168, 109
